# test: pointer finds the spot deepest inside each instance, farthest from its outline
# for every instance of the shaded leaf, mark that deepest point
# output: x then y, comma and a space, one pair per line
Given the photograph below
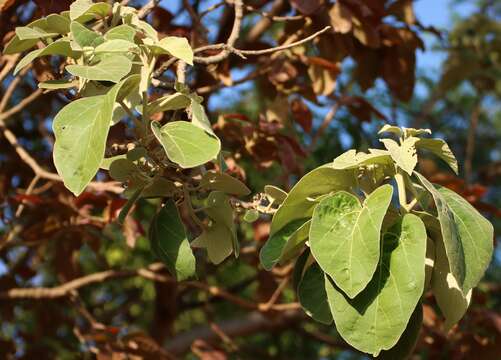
312, 295
223, 182
440, 148
169, 242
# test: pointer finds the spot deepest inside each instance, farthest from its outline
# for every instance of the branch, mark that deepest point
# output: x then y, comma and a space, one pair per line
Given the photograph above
227, 49
254, 322
147, 8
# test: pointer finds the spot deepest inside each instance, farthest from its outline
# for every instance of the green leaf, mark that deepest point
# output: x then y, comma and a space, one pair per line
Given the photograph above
85, 10
405, 346
277, 195
303, 261
295, 243
29, 33
404, 155
115, 46
106, 162
377, 317
390, 128
169, 242
272, 250
217, 239
175, 46
251, 216
301, 200
57, 23
345, 237
476, 235
121, 169
352, 160
16, 45
60, 47
448, 228
440, 148
219, 210
223, 182
312, 295
128, 205
169, 102
112, 68
185, 144
198, 116
58, 84
81, 129
159, 187
451, 300
84, 36
121, 32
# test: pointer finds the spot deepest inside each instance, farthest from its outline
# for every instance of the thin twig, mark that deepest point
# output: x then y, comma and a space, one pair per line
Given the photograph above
325, 124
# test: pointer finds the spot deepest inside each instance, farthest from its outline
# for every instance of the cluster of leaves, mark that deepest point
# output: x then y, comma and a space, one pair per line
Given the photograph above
369, 259
110, 69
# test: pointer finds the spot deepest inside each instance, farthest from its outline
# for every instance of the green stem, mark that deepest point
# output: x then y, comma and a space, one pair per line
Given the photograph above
402, 195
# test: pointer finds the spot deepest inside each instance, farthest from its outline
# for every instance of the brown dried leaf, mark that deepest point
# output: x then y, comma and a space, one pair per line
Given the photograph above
302, 114
340, 17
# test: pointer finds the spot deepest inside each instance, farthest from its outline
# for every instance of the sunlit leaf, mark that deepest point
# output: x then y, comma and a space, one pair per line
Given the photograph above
345, 237
186, 144
112, 68
403, 154
375, 319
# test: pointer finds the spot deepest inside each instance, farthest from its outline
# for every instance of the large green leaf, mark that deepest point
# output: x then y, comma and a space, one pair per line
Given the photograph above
85, 10
16, 45
295, 243
186, 144
84, 36
60, 47
112, 68
377, 317
345, 237
174, 46
407, 342
312, 295
440, 148
272, 250
301, 200
81, 129
169, 242
403, 154
453, 246
476, 235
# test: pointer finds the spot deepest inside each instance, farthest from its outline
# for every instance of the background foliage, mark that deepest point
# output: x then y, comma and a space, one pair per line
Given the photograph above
279, 115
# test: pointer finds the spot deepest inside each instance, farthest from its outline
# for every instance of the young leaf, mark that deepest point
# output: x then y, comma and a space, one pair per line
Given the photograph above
449, 231
112, 68
440, 148
275, 193
312, 295
251, 215
198, 116
377, 317
84, 36
390, 128
345, 237
476, 235
185, 144
404, 155
223, 182
169, 242
351, 159
272, 250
